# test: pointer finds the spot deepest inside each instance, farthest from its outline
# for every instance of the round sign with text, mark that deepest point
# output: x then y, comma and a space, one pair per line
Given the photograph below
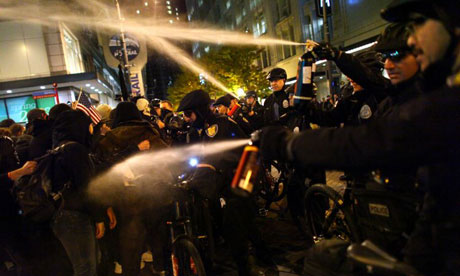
116, 46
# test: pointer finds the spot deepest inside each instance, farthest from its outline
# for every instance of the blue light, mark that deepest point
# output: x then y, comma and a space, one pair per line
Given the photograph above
193, 162
233, 134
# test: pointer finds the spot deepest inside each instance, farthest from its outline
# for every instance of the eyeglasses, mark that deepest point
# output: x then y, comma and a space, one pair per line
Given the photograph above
188, 113
396, 55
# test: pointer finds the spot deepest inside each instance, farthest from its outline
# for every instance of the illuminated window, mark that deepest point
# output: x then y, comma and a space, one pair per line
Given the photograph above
238, 19
200, 3
229, 4
72, 52
260, 26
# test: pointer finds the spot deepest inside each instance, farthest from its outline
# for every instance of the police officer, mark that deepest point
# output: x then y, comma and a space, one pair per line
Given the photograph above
421, 132
253, 111
359, 107
213, 175
236, 113
222, 105
277, 104
400, 65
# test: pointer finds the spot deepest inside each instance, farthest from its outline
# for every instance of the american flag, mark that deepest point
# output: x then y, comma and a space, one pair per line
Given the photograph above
85, 105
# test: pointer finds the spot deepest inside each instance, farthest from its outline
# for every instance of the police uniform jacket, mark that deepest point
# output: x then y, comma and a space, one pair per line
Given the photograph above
276, 108
214, 173
257, 119
422, 132
242, 122
360, 73
354, 110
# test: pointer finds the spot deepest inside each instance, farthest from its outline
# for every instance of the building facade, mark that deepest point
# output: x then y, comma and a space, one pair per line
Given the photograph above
353, 23
34, 57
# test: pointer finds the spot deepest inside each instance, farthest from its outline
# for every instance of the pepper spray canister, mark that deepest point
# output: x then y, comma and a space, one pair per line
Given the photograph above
233, 110
304, 88
246, 173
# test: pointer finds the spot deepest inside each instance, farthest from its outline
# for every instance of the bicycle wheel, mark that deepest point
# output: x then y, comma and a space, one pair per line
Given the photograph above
273, 182
185, 259
327, 216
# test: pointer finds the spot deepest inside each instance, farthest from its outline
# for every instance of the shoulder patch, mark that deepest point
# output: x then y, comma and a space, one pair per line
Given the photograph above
212, 130
365, 112
285, 104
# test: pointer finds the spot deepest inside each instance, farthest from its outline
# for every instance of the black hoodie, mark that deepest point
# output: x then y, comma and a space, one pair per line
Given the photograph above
74, 163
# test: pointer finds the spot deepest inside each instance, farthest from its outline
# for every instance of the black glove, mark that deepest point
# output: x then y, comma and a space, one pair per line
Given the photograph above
273, 142
325, 51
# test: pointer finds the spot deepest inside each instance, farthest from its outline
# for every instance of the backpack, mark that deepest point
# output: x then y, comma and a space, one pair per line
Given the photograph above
34, 193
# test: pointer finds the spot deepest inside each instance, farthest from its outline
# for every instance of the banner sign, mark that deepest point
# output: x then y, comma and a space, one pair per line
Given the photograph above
43, 94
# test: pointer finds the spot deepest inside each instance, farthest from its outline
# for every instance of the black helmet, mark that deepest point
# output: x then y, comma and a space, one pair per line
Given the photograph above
445, 11
224, 100
194, 100
277, 74
155, 103
394, 37
251, 93
371, 59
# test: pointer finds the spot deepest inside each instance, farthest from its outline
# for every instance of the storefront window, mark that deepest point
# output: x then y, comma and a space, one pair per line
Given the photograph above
3, 114
46, 103
18, 108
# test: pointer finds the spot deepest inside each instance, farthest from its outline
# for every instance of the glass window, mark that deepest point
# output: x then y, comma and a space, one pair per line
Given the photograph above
3, 114
283, 8
18, 108
265, 58
292, 38
229, 4
46, 103
260, 26
71, 52
238, 19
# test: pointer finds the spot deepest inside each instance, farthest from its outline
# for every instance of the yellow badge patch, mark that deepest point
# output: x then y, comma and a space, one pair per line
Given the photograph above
212, 130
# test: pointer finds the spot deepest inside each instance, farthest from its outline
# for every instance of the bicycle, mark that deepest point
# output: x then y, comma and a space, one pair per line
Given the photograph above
190, 241
383, 215
273, 183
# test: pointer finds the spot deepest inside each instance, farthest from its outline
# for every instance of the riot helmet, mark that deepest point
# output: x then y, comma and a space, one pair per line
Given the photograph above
277, 74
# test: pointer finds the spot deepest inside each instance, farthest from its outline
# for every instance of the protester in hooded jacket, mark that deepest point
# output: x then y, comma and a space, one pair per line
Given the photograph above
73, 222
129, 135
40, 127
11, 242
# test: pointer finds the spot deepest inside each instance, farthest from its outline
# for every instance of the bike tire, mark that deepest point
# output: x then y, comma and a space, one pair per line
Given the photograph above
186, 259
321, 199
